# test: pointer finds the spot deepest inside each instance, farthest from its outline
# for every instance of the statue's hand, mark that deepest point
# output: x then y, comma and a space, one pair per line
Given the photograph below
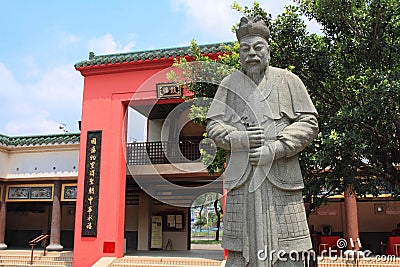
256, 136
260, 155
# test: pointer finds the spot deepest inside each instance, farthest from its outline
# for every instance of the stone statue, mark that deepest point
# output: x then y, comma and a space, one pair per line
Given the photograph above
263, 116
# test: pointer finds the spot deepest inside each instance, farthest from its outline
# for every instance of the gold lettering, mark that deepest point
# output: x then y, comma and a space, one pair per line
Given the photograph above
91, 190
93, 141
90, 199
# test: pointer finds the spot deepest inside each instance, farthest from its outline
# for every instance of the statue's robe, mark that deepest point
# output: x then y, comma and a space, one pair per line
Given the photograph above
264, 205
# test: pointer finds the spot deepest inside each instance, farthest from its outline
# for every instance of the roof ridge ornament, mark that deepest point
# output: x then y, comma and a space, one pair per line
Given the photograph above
91, 55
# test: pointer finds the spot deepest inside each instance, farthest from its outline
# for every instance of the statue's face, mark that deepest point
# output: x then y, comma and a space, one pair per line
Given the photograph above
254, 53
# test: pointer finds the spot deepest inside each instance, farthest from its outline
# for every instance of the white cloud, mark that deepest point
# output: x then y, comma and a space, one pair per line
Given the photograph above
59, 85
54, 96
8, 84
106, 44
209, 16
68, 39
36, 121
31, 67
40, 107
216, 18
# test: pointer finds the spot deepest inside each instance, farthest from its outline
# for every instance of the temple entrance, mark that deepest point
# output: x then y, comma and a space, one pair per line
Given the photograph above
163, 168
152, 222
27, 220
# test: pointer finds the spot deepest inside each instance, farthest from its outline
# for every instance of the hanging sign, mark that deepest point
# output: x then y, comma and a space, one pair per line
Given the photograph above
168, 90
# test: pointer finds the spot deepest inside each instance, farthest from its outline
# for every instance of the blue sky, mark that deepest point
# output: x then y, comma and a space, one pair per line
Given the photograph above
42, 40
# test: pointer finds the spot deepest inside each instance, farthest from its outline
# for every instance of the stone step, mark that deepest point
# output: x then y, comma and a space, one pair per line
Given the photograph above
61, 258
36, 253
23, 258
35, 261
151, 265
28, 265
164, 261
341, 264
393, 262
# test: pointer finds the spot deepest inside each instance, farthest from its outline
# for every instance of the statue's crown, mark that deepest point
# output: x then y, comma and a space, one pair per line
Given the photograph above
252, 26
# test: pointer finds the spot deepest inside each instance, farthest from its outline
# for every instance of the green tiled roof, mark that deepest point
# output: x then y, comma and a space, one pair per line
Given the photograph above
39, 140
150, 54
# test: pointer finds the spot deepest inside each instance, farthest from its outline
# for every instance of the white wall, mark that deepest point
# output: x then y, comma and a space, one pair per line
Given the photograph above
155, 127
57, 162
4, 161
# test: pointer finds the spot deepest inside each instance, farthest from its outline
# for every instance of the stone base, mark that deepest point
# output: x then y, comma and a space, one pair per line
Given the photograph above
54, 247
3, 246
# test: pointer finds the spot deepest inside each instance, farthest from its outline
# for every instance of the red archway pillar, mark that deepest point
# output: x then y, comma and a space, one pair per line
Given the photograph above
105, 113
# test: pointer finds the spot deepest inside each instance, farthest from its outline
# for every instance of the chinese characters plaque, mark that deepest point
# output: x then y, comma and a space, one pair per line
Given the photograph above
92, 180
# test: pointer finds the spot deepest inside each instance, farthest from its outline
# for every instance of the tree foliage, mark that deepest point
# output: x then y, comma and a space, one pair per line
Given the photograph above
201, 77
352, 73
358, 98
204, 202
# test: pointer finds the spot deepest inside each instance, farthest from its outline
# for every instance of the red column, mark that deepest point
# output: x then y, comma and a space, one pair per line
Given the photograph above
55, 231
350, 205
103, 113
224, 192
3, 214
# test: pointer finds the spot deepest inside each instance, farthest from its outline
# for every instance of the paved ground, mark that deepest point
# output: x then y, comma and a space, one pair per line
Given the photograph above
212, 252
207, 247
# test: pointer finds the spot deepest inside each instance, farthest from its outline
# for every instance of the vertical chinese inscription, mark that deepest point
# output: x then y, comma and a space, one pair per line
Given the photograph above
92, 180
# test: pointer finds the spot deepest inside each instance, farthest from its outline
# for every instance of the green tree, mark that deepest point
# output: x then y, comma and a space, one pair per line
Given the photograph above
201, 221
359, 93
218, 213
352, 74
203, 202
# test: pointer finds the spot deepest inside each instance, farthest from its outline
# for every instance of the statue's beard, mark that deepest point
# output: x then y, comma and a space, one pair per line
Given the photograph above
255, 72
